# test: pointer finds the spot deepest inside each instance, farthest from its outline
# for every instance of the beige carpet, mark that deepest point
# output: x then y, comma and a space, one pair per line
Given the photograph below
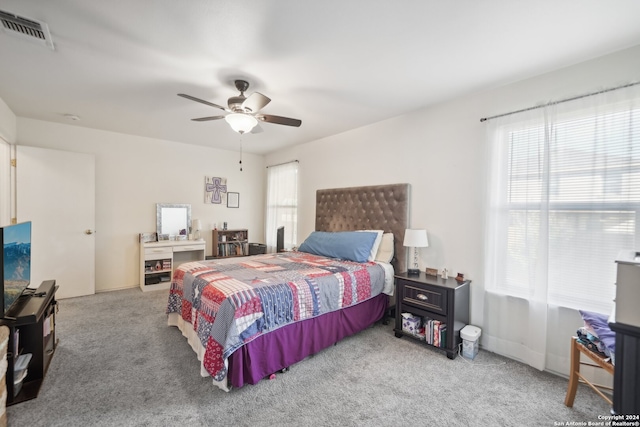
118, 364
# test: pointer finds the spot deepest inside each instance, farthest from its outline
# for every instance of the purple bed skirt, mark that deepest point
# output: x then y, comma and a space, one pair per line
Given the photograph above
290, 344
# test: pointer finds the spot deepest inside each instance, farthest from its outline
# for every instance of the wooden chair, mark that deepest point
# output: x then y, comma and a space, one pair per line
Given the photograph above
576, 377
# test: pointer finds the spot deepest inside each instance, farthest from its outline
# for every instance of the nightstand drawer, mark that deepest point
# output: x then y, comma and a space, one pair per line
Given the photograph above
425, 297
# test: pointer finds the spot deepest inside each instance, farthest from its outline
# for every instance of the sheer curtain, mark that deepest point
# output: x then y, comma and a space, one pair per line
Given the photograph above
282, 204
563, 200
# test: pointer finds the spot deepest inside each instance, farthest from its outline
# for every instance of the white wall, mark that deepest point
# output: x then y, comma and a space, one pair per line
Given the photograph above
5, 182
8, 130
8, 126
441, 152
134, 173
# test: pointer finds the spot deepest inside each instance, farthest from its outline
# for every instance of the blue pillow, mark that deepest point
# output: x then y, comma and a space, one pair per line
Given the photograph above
349, 245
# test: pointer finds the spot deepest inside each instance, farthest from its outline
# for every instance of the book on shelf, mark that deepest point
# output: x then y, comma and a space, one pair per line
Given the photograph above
233, 249
443, 335
16, 341
435, 332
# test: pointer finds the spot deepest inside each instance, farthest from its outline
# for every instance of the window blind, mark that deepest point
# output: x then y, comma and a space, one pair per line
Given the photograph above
572, 202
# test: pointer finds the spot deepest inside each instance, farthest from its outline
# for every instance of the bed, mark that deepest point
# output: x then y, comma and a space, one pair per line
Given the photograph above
249, 317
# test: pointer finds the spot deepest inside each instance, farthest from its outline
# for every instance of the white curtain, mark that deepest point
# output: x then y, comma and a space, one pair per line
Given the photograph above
563, 200
282, 204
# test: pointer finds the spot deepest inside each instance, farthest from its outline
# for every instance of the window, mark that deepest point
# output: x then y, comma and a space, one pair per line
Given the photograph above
565, 200
282, 204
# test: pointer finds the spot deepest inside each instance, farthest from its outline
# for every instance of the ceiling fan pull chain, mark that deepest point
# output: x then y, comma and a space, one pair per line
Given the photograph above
240, 153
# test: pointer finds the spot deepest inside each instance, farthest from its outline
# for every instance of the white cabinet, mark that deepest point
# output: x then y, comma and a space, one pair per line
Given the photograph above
628, 288
159, 259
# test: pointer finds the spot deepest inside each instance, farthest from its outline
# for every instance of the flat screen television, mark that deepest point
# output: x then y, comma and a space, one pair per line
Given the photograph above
15, 263
280, 239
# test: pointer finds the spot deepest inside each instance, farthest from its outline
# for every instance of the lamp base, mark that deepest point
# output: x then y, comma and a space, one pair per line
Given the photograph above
413, 272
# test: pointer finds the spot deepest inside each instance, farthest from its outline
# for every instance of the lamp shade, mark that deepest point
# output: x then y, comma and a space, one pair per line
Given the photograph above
240, 122
196, 225
415, 238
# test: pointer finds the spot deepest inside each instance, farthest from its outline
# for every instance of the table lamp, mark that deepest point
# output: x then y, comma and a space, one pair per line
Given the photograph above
415, 239
196, 226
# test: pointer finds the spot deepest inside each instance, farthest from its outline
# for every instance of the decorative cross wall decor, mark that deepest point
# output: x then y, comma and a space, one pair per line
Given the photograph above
215, 190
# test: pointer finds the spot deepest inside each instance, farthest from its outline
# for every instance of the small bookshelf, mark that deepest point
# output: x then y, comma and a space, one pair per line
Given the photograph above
230, 243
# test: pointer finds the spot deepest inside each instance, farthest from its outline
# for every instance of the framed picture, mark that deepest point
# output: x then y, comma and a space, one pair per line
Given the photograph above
148, 237
431, 271
215, 190
233, 200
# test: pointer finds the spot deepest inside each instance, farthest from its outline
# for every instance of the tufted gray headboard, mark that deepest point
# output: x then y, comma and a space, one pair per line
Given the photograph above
376, 207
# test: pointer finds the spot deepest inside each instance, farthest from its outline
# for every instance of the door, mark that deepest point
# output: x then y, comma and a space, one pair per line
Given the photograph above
55, 190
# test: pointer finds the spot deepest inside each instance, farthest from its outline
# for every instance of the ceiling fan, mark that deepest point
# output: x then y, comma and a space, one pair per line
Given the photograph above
244, 111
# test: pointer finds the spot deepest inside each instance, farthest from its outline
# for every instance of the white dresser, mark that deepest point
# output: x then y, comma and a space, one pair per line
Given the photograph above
625, 322
628, 288
158, 260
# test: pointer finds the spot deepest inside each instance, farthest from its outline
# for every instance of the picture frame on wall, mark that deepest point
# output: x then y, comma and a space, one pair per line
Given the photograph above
233, 200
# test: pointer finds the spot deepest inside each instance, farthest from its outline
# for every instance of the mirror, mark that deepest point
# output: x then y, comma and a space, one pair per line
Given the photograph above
172, 220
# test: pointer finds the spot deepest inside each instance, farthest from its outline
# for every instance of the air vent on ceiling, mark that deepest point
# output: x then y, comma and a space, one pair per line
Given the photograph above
26, 28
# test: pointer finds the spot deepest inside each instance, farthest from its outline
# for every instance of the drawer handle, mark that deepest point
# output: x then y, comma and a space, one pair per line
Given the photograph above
422, 297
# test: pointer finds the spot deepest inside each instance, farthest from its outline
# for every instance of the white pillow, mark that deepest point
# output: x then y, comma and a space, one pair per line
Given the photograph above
385, 250
376, 244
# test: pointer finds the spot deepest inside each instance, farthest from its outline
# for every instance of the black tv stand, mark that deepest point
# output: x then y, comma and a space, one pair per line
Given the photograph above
32, 323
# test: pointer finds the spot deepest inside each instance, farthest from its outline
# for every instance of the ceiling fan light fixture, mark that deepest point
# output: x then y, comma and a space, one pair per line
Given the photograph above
240, 122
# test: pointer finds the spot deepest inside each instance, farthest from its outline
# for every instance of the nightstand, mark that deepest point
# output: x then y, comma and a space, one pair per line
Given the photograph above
443, 301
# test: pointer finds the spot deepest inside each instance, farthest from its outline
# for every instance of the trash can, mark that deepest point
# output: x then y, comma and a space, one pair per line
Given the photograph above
257, 249
470, 341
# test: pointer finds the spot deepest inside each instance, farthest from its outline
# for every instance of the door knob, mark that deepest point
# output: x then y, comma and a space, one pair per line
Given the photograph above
88, 231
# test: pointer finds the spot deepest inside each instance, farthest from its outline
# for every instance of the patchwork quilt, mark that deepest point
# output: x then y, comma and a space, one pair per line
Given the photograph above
231, 301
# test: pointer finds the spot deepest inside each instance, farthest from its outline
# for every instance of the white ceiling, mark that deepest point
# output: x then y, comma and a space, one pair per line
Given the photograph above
334, 64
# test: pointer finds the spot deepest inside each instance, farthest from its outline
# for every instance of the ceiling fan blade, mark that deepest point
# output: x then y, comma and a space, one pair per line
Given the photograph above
279, 120
204, 119
255, 102
202, 101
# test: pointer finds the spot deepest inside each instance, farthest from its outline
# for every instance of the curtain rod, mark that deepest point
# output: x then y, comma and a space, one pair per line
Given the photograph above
484, 119
285, 163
